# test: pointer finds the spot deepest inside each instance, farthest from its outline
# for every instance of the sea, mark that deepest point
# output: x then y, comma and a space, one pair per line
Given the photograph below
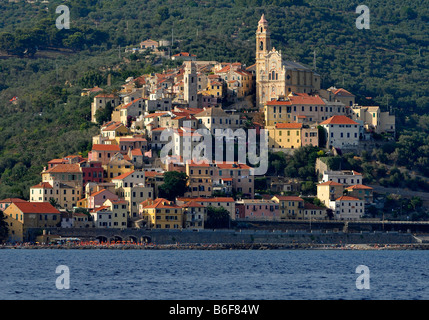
102, 274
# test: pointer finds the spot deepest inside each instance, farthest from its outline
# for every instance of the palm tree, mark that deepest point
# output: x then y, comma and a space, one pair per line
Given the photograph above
54, 202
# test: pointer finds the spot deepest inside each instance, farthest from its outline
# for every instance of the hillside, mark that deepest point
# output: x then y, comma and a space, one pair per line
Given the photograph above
50, 119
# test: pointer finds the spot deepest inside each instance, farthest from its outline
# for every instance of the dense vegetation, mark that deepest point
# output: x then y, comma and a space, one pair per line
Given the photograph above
4, 230
47, 68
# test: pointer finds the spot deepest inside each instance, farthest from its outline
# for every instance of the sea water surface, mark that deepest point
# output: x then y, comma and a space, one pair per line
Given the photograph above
213, 274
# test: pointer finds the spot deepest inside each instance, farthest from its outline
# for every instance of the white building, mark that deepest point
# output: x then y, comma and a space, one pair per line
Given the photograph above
112, 214
341, 132
129, 179
348, 208
346, 177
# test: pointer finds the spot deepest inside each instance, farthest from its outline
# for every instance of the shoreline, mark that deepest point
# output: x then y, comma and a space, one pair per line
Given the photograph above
218, 246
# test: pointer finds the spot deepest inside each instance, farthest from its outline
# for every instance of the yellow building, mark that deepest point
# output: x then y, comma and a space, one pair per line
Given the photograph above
117, 166
200, 180
161, 214
24, 215
16, 229
70, 174
373, 119
216, 87
329, 191
114, 129
64, 195
119, 209
285, 136
299, 107
290, 207
134, 196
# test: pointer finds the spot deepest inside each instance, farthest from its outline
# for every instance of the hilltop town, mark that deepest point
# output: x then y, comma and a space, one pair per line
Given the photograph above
121, 183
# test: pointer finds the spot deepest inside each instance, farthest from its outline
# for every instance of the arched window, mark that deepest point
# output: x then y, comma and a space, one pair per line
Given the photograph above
261, 46
277, 76
273, 75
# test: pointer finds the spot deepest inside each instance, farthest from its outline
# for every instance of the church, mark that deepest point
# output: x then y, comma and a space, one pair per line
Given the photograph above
276, 77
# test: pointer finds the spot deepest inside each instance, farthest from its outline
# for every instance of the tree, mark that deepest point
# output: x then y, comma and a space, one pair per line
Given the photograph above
7, 42
75, 41
330, 213
4, 230
322, 136
91, 79
217, 218
54, 202
104, 114
163, 13
175, 185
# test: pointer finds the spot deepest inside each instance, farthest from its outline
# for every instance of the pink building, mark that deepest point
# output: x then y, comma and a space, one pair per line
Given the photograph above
103, 152
98, 198
136, 142
258, 209
7, 202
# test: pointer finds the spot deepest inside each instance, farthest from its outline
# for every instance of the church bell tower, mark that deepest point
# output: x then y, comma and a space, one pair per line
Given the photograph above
263, 46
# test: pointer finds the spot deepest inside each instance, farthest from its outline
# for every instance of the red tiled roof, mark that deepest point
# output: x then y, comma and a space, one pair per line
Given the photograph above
238, 166
289, 198
360, 186
277, 103
36, 207
298, 98
113, 126
124, 175
130, 103
42, 185
184, 54
156, 114
12, 200
133, 139
100, 208
106, 147
339, 120
101, 191
65, 167
292, 125
305, 98
159, 203
136, 152
153, 173
347, 198
193, 204
343, 92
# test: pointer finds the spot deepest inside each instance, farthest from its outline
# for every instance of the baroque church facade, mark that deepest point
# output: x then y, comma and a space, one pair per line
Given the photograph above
276, 77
